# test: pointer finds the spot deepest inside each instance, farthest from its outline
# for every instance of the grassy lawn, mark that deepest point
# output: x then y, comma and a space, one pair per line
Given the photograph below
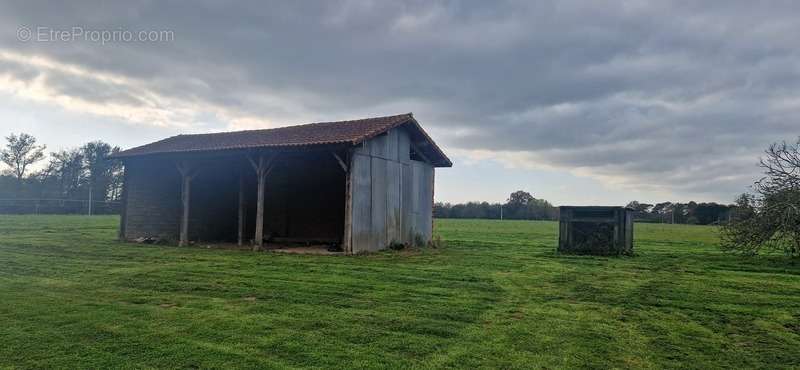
497, 296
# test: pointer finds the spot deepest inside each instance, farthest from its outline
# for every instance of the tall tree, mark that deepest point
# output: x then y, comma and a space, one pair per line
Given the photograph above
100, 168
20, 153
520, 198
770, 218
639, 207
116, 177
68, 171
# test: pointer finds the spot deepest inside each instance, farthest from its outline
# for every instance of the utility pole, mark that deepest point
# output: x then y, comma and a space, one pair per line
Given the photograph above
501, 211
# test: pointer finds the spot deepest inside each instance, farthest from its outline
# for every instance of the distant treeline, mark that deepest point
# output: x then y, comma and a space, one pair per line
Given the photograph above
520, 205
68, 181
691, 213
72, 178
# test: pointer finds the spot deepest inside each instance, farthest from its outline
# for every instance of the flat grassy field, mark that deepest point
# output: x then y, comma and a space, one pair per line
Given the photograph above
496, 296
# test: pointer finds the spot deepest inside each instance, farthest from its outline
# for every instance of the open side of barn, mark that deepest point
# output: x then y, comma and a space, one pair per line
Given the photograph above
363, 194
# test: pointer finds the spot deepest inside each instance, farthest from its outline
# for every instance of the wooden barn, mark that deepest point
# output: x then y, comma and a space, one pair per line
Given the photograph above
362, 185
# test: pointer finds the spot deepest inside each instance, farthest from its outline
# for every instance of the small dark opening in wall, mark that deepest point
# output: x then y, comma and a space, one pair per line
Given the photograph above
592, 237
593, 213
415, 156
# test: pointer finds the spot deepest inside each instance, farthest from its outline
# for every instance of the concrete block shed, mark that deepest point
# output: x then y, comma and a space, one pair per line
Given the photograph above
595, 230
364, 184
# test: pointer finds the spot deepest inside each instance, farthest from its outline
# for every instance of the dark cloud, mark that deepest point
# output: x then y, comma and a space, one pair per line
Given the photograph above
680, 96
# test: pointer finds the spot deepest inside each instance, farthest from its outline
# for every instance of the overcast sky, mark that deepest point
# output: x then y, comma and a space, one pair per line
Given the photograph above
578, 102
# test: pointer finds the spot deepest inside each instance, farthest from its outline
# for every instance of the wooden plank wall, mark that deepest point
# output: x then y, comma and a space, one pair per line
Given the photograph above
423, 219
153, 199
379, 210
391, 194
361, 201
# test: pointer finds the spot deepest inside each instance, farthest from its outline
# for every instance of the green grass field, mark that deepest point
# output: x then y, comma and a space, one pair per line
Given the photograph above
496, 296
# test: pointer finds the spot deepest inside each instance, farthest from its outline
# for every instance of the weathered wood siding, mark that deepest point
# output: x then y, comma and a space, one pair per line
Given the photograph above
392, 196
361, 202
153, 205
422, 218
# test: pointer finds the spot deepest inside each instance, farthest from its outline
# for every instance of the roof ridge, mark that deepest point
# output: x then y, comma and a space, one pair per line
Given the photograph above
409, 115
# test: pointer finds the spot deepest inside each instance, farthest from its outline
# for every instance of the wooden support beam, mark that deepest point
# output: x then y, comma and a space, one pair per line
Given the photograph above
186, 191
341, 162
187, 174
259, 237
123, 218
241, 210
347, 239
262, 166
253, 163
433, 202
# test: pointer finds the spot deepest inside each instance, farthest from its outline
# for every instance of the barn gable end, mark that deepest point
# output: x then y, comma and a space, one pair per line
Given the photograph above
392, 196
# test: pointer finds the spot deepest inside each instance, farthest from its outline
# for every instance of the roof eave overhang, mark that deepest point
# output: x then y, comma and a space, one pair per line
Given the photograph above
235, 150
442, 161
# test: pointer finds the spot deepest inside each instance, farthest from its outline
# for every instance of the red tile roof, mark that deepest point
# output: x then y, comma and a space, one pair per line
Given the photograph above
323, 133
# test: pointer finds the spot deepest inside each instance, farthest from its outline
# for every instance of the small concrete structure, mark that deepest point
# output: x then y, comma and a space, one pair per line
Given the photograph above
595, 230
361, 185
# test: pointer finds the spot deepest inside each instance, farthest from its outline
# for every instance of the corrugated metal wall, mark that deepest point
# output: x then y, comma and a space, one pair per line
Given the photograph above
392, 195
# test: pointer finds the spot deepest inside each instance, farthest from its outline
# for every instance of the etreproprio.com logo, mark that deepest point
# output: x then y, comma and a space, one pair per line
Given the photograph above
99, 36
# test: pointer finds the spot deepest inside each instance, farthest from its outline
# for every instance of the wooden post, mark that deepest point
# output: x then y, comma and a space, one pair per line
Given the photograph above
124, 211
433, 201
241, 209
186, 193
186, 196
262, 168
262, 179
348, 216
